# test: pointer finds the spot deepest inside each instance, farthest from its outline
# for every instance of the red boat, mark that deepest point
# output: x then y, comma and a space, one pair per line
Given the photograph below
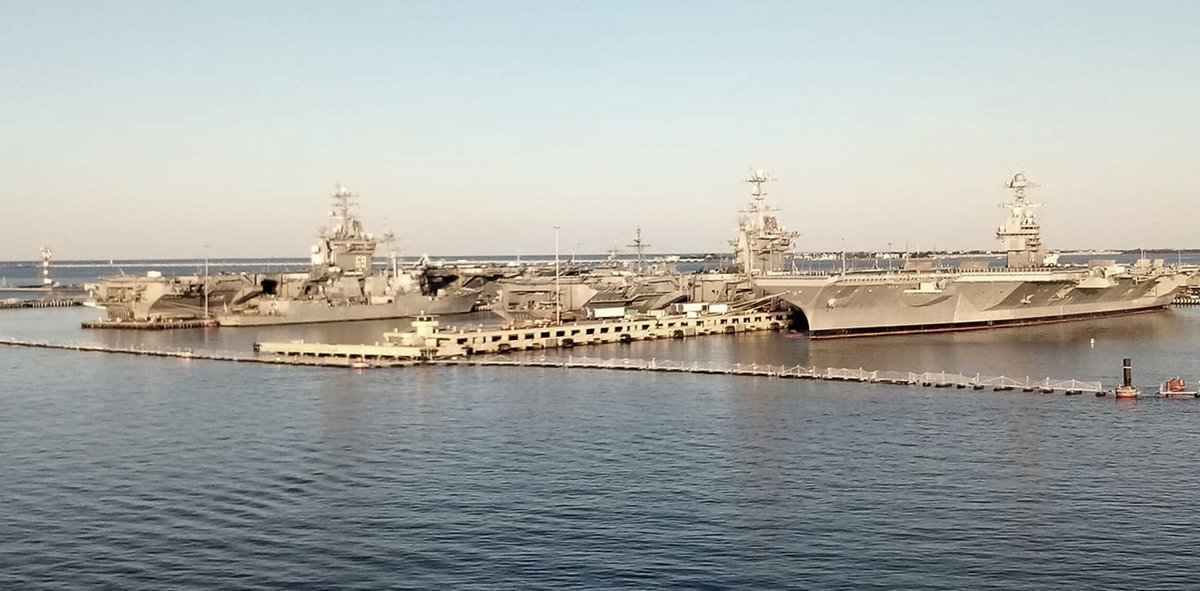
1176, 387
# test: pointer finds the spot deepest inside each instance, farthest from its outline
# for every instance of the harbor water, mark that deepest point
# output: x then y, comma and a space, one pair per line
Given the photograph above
146, 473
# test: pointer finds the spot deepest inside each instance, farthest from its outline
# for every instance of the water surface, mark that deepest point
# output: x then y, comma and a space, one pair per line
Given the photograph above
146, 473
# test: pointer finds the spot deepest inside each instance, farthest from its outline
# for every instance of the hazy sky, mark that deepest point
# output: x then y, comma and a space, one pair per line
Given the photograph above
148, 129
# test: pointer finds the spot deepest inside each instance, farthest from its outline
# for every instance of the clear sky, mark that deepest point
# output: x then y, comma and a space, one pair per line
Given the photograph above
148, 129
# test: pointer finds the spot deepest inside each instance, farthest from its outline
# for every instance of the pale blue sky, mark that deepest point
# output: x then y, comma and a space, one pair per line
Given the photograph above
147, 129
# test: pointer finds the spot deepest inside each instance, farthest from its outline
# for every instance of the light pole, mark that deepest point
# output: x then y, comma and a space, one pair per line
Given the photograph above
557, 285
843, 256
205, 281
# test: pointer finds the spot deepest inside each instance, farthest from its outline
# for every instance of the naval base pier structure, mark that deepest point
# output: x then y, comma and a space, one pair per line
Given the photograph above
428, 342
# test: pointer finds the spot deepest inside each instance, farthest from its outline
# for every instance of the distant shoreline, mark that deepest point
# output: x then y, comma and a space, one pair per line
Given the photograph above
585, 258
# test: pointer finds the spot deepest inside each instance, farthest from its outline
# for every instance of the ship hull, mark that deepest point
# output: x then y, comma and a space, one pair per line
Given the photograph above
280, 312
896, 303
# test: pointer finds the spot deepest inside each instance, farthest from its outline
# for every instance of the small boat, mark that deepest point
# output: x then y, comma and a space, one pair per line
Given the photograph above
1176, 387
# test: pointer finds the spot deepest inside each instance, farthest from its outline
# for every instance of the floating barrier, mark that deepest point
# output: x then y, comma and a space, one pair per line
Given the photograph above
189, 354
834, 374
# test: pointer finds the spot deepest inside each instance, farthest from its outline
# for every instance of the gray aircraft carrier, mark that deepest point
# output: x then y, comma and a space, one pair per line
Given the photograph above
922, 298
341, 285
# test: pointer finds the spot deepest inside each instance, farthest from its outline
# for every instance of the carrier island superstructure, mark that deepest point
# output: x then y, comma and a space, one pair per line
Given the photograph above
923, 298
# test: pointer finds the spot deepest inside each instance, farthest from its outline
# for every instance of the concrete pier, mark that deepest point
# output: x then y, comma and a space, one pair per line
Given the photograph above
1186, 299
15, 304
427, 341
173, 324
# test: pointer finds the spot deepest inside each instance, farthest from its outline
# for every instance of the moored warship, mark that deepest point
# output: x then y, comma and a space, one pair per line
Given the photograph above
922, 298
341, 285
613, 286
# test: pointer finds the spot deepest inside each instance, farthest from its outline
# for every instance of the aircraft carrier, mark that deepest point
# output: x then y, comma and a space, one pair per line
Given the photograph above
341, 285
921, 297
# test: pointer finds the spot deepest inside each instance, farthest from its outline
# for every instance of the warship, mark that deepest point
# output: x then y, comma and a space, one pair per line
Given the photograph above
341, 285
921, 297
612, 286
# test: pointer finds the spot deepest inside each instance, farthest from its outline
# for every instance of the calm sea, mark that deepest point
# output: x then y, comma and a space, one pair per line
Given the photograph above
124, 472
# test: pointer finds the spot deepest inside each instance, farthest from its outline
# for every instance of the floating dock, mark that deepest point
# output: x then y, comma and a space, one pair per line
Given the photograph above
428, 342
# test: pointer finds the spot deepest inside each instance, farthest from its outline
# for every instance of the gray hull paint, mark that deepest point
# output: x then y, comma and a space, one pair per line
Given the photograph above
276, 312
890, 302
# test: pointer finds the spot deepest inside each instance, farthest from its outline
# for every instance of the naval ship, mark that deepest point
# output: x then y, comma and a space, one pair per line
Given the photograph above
923, 298
340, 285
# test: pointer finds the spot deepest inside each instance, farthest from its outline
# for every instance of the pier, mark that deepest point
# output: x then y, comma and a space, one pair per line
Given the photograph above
15, 304
174, 324
1186, 299
428, 341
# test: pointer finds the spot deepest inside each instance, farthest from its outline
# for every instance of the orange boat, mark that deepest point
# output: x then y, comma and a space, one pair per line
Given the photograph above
1176, 387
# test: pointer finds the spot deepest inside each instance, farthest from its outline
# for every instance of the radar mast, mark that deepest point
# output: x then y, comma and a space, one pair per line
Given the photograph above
640, 247
344, 249
1020, 231
761, 243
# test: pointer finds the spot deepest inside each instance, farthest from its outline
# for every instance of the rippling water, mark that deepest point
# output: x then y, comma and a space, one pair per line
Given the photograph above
140, 473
